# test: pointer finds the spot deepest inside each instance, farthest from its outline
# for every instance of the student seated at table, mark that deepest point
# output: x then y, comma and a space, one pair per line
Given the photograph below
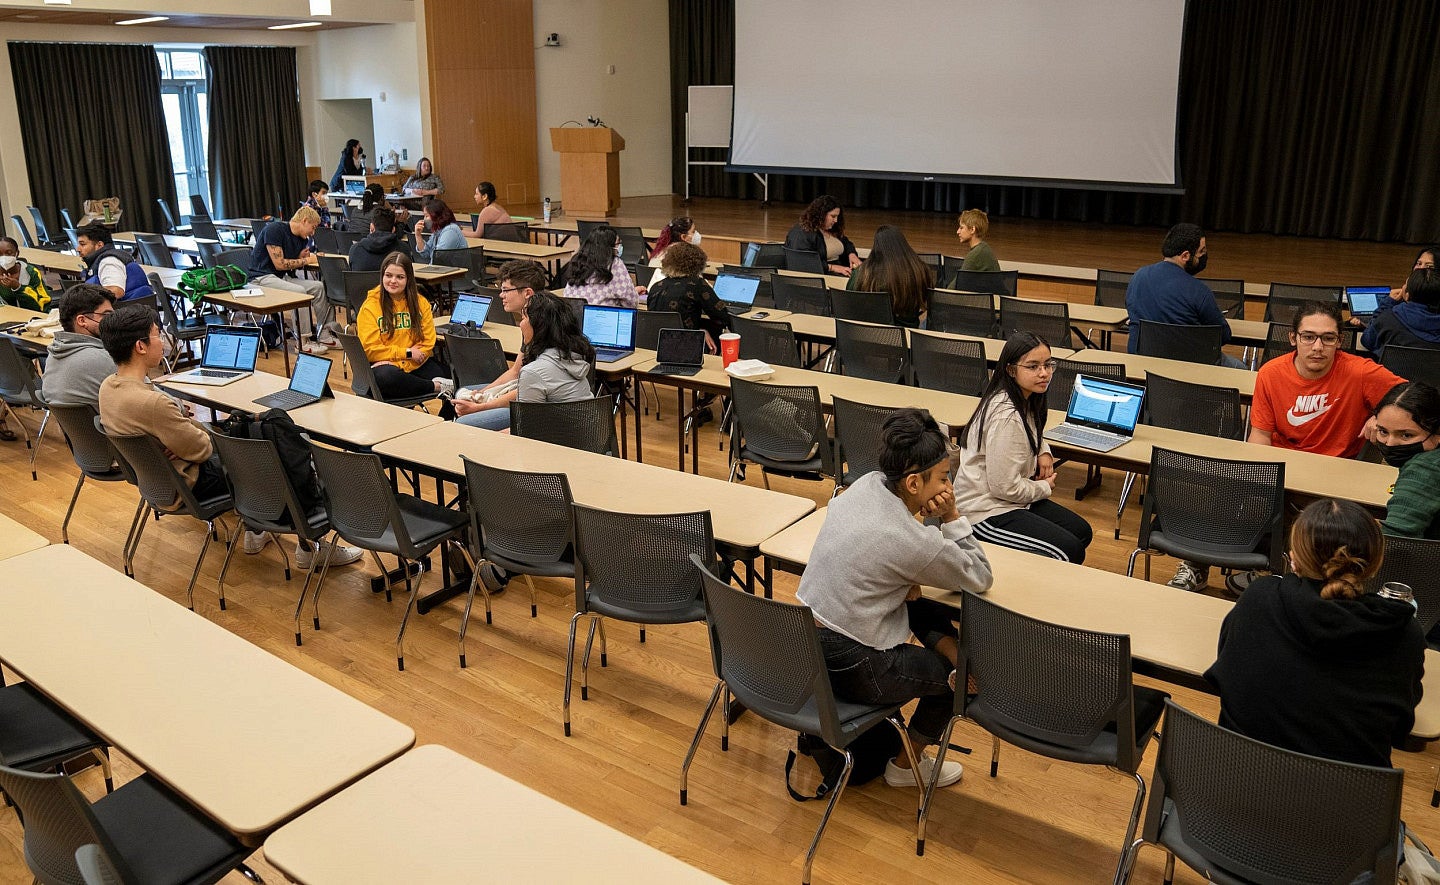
1310, 661
445, 232
864, 577
382, 239
491, 212
281, 249
424, 183
1006, 477
598, 274
319, 199
397, 329
1412, 321
77, 363
821, 229
519, 281
973, 229
358, 219
20, 284
684, 291
1407, 433
115, 269
895, 269
679, 230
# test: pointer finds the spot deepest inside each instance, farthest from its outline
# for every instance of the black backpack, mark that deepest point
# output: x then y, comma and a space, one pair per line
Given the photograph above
873, 750
277, 426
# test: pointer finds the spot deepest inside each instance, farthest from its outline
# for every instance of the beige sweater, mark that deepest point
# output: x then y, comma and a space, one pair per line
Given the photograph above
994, 475
129, 407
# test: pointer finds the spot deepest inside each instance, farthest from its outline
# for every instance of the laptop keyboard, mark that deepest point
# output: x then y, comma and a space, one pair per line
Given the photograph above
286, 399
1084, 436
217, 373
675, 369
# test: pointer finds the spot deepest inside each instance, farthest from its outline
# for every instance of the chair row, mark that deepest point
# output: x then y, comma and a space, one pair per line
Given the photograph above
1281, 301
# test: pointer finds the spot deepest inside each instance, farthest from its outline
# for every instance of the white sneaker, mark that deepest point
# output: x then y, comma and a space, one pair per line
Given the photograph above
343, 555
1189, 576
314, 347
950, 773
447, 386
331, 329
256, 541
327, 338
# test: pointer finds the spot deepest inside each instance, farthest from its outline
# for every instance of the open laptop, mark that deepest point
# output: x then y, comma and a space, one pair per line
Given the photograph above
229, 354
1102, 414
737, 291
309, 384
680, 352
611, 330
1364, 301
353, 185
470, 308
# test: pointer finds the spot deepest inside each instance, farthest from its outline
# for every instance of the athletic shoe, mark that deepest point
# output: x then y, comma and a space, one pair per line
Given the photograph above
315, 348
896, 776
447, 386
256, 541
327, 338
1190, 577
331, 329
306, 557
495, 579
1238, 582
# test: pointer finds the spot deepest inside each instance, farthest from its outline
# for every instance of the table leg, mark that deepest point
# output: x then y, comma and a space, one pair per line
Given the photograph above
285, 339
680, 427
695, 433
639, 450
624, 425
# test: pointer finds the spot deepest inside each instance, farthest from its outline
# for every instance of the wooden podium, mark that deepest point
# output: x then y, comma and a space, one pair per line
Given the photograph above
589, 168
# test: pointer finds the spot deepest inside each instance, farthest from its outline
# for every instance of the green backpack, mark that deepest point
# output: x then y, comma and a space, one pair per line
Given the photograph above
198, 282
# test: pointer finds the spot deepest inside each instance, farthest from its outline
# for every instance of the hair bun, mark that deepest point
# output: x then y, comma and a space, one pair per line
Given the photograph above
1343, 575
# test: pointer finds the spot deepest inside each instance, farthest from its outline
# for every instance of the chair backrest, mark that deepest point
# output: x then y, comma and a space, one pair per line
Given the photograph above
473, 260
497, 313
69, 221
955, 365
864, 307
209, 252
1048, 319
996, 282
1057, 684
198, 207
803, 260
326, 240
475, 360
358, 284
640, 560
167, 215
645, 274
577, 307
1285, 298
879, 353
332, 274
633, 250
237, 257
1230, 296
1267, 815
584, 227
1193, 408
800, 294
260, 486
1413, 363
18, 381
363, 381
1062, 380
1110, 287
1192, 344
522, 516
773, 342
93, 453
203, 228
935, 261
510, 232
780, 422
1277, 340
160, 483
857, 438
1412, 561
587, 424
42, 230
257, 225
23, 232
770, 254
358, 498
95, 868
1228, 507
961, 313
58, 821
153, 250
648, 324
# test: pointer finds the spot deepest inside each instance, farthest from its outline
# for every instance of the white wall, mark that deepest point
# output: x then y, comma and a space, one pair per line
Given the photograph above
378, 64
572, 83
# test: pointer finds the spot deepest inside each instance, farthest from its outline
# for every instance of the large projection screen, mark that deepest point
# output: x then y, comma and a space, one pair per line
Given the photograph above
1078, 93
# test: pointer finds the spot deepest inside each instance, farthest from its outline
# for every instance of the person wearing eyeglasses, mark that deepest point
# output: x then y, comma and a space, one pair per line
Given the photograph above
1005, 480
489, 407
77, 362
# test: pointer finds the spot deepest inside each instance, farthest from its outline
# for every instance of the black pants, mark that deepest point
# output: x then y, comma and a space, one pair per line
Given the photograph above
1044, 527
396, 383
211, 481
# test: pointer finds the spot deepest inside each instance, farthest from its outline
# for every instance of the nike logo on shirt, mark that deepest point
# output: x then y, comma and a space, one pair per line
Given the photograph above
1308, 408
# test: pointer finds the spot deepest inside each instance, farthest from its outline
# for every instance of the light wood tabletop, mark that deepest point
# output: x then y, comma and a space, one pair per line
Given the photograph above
16, 539
536, 251
1137, 366
186, 245
248, 738
822, 329
431, 801
11, 314
52, 260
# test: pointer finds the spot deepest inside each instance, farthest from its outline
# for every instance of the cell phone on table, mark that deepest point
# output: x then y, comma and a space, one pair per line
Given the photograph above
760, 314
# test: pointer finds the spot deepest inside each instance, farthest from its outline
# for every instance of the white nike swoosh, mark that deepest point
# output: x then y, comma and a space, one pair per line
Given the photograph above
1298, 420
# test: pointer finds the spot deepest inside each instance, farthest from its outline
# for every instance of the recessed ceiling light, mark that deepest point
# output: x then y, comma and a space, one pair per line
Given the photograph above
293, 25
319, 7
144, 21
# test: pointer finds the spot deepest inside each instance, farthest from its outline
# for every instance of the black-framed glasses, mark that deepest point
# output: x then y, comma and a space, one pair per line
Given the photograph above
1329, 339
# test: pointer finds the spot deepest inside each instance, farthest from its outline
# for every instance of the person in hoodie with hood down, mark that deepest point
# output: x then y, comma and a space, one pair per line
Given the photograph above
369, 252
1412, 321
77, 361
1310, 661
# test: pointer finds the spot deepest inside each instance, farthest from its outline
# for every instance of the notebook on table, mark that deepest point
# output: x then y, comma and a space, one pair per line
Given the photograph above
611, 330
680, 352
309, 384
737, 291
228, 354
1364, 301
469, 309
1101, 416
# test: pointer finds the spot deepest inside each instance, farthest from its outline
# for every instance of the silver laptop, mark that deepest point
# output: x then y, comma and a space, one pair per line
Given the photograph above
1102, 414
737, 291
229, 355
308, 385
611, 330
680, 352
353, 185
1364, 301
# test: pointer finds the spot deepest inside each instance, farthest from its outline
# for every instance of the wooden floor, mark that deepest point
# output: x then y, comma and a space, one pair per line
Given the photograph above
1039, 821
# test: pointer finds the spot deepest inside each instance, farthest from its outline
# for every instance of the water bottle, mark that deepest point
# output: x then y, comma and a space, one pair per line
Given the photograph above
1397, 590
547, 210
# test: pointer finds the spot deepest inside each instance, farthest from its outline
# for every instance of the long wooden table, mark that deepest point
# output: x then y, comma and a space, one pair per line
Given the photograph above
31, 343
1136, 368
550, 256
430, 801
16, 538
249, 739
183, 244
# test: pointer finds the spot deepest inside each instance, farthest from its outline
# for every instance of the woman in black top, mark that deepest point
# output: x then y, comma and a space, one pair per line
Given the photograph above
684, 291
821, 230
351, 156
1310, 661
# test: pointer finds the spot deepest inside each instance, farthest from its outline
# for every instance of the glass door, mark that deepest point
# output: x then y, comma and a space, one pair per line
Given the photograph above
183, 99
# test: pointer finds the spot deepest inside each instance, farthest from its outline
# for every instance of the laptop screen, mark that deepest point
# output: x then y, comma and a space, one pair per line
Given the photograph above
1365, 300
736, 289
1101, 402
470, 309
311, 373
354, 184
683, 346
232, 347
610, 326
752, 252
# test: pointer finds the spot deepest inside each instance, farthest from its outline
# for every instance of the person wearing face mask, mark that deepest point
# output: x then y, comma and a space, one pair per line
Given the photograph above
598, 274
1167, 291
679, 230
1407, 433
21, 285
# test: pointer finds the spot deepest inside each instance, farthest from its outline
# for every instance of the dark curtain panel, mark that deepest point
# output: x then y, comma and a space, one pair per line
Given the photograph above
1310, 117
257, 154
93, 128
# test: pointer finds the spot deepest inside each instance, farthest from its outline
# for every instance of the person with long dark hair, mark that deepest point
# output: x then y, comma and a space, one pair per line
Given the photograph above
821, 229
424, 183
681, 229
352, 158
491, 212
895, 269
1407, 433
445, 232
358, 218
397, 330
1006, 477
558, 357
598, 274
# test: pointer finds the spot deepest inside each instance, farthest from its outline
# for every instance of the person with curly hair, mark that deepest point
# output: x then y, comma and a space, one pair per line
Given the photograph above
685, 292
821, 229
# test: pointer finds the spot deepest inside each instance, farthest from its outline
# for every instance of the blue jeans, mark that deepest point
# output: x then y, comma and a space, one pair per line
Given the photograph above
490, 419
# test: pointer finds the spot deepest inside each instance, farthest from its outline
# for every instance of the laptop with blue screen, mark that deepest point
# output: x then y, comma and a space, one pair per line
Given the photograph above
1364, 301
1101, 416
228, 355
309, 384
737, 291
611, 330
470, 308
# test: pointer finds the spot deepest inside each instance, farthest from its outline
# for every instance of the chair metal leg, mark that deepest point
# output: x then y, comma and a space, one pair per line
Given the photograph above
534, 607
324, 570
604, 645
65, 525
695, 741
199, 560
570, 669
829, 809
1435, 792
595, 621
1127, 860
1169, 867
35, 449
225, 566
250, 874
104, 759
1130, 566
994, 755
1121, 873
470, 598
414, 587
725, 723
1124, 499
929, 792
132, 540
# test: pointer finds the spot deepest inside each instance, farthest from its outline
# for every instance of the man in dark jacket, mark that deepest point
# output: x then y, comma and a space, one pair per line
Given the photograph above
368, 253
1413, 321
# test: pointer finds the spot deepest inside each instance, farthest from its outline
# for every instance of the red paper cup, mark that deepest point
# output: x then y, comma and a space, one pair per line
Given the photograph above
729, 348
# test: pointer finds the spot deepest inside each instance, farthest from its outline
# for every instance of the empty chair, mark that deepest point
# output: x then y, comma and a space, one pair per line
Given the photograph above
1228, 807
198, 207
332, 273
209, 252
648, 324
1191, 344
1062, 380
1285, 298
20, 387
961, 313
803, 260
864, 307
93, 453
69, 222
43, 237
587, 424
327, 241
879, 353
1110, 287
473, 260
510, 232
523, 523
800, 294
781, 428
233, 257
475, 360
996, 282
1058, 691
766, 254
153, 251
37, 734
1412, 363
634, 567
23, 232
1230, 296
169, 218
955, 365
766, 654
772, 342
364, 511
257, 225
203, 228
185, 329
1048, 319
858, 439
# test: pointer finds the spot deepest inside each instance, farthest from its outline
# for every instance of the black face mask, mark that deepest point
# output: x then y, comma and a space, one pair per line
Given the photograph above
1397, 456
1194, 266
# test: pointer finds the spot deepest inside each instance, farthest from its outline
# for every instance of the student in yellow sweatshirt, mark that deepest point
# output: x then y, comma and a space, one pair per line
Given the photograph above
397, 330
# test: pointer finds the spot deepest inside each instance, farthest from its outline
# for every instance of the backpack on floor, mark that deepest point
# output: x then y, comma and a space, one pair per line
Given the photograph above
873, 750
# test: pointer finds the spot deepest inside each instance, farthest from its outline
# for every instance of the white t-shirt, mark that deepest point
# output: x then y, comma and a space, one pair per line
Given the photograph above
112, 273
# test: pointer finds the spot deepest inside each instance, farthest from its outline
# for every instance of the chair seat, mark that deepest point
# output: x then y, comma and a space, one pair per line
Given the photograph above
807, 469
162, 839
317, 523
36, 732
1104, 750
21, 398
427, 524
1173, 838
684, 614
561, 569
1241, 559
855, 719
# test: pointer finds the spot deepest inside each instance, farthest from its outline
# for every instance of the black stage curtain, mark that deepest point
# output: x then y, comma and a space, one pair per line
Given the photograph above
1308, 117
93, 127
257, 152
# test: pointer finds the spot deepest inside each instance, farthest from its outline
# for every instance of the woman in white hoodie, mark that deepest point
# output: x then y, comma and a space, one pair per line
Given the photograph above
1006, 474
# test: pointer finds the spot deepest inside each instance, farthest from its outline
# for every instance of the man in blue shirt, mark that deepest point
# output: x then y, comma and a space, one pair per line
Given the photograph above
1167, 291
281, 249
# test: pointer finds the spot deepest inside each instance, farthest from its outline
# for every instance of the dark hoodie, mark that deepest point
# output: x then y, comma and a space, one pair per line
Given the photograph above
368, 253
1407, 324
1337, 678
